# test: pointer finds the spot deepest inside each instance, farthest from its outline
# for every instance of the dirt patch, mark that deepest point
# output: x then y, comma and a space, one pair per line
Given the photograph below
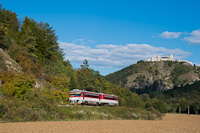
171, 123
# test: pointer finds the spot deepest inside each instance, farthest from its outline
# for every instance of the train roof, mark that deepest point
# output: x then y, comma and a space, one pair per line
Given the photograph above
77, 90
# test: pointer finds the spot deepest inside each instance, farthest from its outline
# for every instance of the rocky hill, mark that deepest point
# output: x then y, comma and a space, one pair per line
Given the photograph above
155, 76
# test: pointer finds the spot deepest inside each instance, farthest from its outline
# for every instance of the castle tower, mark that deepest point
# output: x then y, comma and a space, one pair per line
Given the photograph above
171, 57
158, 58
153, 59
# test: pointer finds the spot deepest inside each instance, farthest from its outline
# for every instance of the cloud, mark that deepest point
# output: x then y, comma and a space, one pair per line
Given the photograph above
107, 46
170, 35
82, 41
194, 38
119, 56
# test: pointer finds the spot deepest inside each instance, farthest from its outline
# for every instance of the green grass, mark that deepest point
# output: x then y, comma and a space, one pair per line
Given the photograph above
108, 113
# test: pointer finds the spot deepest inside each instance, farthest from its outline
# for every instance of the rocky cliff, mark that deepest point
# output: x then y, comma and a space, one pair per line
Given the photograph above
155, 76
8, 64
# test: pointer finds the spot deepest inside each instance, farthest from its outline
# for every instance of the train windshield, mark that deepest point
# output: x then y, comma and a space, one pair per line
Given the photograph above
72, 94
78, 94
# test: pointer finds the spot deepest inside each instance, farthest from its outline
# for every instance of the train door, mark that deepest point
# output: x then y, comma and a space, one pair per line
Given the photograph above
100, 98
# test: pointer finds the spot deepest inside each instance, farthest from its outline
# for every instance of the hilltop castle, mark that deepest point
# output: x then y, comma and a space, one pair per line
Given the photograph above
170, 58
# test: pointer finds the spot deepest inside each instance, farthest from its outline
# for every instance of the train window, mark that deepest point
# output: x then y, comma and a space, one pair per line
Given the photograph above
109, 97
91, 95
72, 94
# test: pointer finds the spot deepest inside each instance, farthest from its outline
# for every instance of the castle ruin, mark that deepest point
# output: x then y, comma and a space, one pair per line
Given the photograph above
170, 58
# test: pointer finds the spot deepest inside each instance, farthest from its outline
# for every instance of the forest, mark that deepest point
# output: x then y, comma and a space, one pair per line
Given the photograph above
181, 99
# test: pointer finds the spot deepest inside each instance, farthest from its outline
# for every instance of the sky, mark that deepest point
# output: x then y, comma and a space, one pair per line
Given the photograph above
113, 34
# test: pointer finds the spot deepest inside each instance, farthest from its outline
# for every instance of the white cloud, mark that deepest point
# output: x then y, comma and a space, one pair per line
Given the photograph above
170, 35
110, 55
194, 38
82, 41
107, 46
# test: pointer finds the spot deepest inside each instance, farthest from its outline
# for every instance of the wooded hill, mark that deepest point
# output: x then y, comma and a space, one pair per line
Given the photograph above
155, 76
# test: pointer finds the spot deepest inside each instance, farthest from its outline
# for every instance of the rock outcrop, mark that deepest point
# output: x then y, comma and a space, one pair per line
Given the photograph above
8, 64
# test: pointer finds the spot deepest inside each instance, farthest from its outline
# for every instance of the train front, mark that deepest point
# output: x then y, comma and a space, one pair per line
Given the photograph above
75, 97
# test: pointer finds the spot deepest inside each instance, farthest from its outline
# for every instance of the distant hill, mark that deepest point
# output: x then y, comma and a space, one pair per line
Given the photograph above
155, 76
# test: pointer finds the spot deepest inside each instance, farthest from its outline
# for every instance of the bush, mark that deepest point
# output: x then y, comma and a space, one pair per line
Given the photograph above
34, 109
18, 85
170, 63
160, 106
196, 107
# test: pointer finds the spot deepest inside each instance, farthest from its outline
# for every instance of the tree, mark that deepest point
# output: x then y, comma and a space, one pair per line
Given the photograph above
196, 107
156, 71
159, 105
184, 105
170, 63
140, 61
68, 68
28, 37
145, 97
73, 83
85, 64
9, 27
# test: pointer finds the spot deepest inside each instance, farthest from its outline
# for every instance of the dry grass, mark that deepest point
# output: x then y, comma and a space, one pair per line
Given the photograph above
171, 123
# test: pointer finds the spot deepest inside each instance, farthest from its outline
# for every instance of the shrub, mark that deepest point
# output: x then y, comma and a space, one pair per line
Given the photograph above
17, 85
160, 106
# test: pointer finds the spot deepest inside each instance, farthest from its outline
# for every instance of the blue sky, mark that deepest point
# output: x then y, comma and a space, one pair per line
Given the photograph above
113, 34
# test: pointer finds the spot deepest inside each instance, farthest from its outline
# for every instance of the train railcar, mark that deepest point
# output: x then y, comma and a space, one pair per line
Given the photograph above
77, 96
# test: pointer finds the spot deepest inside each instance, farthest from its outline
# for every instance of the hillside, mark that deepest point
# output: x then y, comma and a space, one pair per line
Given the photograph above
155, 76
175, 84
35, 77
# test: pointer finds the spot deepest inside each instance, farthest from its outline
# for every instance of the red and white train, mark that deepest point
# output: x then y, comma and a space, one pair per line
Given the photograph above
77, 96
